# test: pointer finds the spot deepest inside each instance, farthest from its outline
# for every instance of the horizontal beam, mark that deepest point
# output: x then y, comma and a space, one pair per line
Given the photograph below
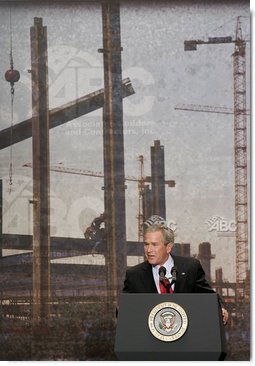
60, 272
63, 247
60, 115
191, 45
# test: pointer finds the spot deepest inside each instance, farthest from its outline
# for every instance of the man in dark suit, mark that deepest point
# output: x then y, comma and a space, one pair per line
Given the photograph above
145, 277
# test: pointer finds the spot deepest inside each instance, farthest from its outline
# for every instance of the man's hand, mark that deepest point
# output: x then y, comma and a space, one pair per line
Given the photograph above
224, 316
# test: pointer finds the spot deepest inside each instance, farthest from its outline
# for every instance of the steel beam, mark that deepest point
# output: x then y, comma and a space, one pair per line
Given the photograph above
63, 114
41, 176
65, 247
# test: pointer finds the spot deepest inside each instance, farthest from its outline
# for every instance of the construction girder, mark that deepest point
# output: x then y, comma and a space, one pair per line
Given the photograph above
76, 246
60, 115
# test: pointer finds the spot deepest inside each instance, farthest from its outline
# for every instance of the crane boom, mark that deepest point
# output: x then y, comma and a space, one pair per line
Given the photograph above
207, 108
191, 45
76, 171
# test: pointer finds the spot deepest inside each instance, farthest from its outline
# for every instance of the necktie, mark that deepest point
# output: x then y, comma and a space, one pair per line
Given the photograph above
163, 287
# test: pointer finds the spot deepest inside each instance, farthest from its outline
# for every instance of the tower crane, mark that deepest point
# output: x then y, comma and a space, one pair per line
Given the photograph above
141, 182
240, 152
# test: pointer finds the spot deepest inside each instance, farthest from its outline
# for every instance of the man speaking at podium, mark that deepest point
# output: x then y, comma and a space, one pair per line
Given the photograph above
163, 272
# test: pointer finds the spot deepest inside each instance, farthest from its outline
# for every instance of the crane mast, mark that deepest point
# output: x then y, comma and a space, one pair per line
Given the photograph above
240, 146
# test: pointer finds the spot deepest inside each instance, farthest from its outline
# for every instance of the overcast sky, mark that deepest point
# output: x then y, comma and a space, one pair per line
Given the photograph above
199, 152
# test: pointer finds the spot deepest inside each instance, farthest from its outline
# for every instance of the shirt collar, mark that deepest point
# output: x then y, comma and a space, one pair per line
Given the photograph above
168, 265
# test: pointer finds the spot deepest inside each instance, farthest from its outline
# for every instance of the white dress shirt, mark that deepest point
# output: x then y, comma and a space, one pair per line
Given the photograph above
168, 266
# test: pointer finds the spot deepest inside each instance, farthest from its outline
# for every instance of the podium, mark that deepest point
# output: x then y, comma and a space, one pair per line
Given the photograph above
169, 327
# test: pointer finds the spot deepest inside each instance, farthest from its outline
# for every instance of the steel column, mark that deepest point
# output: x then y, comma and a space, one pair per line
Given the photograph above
41, 173
114, 181
158, 179
205, 256
147, 202
1, 218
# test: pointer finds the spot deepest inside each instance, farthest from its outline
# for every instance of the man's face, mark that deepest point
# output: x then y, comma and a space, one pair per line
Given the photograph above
156, 252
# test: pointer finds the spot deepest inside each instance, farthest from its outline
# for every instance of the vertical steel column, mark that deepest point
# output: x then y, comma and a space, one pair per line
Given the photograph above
185, 249
147, 202
158, 179
205, 255
1, 218
182, 249
41, 204
114, 182
219, 281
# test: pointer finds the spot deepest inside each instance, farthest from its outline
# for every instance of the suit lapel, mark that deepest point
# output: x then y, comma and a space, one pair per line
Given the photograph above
181, 276
147, 279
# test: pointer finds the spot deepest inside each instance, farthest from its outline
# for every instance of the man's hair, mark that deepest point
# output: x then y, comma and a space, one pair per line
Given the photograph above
168, 234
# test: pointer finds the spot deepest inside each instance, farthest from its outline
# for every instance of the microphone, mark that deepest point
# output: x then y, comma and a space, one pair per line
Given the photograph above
162, 273
174, 274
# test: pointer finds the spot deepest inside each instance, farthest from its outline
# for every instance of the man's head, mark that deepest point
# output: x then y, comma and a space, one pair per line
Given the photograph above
158, 240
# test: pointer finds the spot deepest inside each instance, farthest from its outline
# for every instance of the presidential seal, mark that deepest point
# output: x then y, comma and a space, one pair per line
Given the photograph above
168, 321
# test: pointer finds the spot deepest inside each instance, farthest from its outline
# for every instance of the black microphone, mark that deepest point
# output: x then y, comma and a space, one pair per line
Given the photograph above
174, 274
162, 273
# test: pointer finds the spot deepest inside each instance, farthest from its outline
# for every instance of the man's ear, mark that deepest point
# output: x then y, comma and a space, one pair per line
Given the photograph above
169, 247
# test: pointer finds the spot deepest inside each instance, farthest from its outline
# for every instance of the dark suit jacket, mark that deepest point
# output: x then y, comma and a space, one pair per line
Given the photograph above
190, 278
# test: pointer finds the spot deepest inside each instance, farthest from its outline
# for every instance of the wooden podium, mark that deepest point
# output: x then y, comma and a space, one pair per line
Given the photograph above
178, 327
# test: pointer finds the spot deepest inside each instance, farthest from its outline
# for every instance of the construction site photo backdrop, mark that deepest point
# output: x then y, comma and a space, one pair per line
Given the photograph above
112, 111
